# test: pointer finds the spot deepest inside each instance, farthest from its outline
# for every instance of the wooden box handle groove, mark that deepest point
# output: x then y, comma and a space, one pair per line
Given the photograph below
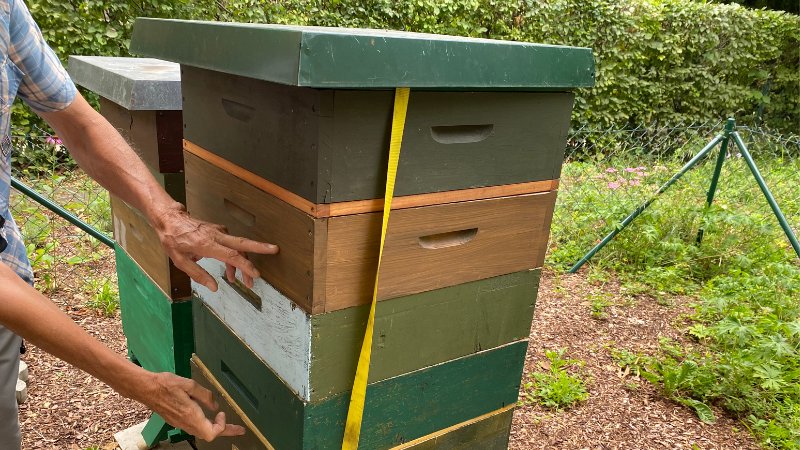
237, 212
461, 134
135, 232
238, 385
245, 292
449, 239
238, 110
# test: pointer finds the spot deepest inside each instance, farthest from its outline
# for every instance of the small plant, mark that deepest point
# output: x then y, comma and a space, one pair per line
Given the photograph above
105, 297
599, 304
556, 388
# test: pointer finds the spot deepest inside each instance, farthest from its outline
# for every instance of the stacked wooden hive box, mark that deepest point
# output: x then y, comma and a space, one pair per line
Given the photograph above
141, 97
286, 141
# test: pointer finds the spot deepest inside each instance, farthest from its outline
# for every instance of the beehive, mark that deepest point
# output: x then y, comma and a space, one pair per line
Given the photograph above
286, 141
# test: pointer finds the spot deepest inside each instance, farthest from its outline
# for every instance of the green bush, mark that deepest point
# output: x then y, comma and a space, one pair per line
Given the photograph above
665, 61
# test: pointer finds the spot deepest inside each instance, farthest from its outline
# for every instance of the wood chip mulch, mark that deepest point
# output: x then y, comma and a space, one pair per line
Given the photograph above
68, 409
622, 412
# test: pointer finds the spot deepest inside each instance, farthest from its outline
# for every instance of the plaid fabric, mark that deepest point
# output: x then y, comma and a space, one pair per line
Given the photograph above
30, 70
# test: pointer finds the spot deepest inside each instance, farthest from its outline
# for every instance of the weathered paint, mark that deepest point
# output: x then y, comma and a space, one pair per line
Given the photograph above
487, 432
139, 240
398, 410
330, 146
133, 83
280, 332
359, 58
159, 331
155, 135
316, 355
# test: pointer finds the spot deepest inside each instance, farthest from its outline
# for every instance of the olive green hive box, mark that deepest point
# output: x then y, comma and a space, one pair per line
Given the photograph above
309, 108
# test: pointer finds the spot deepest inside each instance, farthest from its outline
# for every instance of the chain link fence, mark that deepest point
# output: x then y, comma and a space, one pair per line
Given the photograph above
607, 174
67, 261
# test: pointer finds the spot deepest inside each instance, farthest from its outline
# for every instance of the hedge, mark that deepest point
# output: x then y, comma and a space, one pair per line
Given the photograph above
665, 61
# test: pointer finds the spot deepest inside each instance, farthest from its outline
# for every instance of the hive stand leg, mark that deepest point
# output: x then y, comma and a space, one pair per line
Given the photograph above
155, 431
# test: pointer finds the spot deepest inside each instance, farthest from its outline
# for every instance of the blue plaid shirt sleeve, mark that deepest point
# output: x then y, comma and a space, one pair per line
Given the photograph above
45, 84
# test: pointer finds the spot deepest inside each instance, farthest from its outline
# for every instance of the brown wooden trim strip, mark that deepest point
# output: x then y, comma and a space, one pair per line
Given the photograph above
265, 185
207, 373
372, 205
438, 198
455, 427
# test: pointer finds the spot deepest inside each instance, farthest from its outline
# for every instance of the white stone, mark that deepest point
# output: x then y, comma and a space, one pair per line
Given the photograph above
22, 392
23, 371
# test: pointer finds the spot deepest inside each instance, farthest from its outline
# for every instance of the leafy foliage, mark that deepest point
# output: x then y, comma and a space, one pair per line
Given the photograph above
657, 60
744, 353
556, 388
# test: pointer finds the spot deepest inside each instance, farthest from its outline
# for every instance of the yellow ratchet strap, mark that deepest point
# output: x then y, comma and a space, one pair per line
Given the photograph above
355, 412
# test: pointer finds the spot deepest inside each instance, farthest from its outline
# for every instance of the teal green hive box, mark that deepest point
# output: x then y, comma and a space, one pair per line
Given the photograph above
363, 59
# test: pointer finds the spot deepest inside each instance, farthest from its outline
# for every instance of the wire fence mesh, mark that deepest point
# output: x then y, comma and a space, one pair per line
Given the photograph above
606, 175
66, 260
609, 173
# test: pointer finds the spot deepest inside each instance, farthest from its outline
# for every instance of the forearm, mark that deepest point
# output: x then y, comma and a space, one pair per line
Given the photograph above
32, 316
105, 156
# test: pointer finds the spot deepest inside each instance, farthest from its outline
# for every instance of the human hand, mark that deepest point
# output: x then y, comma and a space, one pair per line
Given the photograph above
180, 402
187, 240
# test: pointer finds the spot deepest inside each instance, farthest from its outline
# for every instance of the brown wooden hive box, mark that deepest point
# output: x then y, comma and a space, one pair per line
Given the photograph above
329, 263
155, 135
134, 234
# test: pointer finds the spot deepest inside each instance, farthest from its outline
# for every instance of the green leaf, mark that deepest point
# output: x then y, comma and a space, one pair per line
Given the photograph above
703, 411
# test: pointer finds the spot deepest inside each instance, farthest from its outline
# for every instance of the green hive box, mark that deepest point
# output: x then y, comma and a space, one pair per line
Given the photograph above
158, 330
397, 410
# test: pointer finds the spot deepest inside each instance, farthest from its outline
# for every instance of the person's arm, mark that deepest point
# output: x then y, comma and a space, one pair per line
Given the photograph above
105, 156
177, 400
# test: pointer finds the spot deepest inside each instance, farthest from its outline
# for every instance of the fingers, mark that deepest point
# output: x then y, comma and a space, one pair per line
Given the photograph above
202, 396
224, 429
246, 245
230, 272
195, 272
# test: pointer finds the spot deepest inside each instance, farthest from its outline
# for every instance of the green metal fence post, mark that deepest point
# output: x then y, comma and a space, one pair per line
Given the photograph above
765, 190
730, 125
644, 205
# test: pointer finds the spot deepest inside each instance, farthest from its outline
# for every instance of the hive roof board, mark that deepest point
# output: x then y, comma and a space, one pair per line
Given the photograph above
133, 83
322, 57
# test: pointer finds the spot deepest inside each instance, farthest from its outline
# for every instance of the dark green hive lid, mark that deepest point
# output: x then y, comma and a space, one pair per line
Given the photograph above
322, 57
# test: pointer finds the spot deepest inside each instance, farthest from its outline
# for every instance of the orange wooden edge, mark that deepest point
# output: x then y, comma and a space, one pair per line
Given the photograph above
371, 205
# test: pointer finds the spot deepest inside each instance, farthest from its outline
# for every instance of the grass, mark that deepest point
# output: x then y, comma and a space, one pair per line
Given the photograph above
743, 348
556, 388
